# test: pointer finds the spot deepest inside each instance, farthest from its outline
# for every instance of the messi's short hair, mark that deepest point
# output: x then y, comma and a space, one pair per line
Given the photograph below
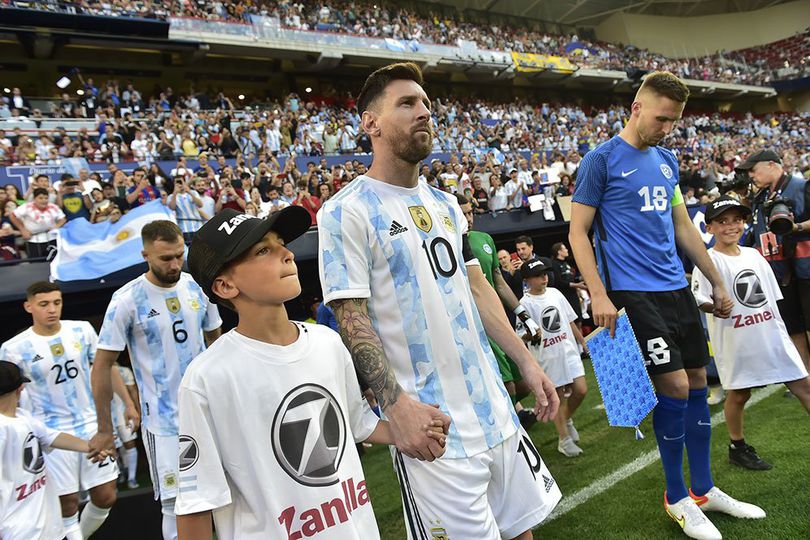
376, 83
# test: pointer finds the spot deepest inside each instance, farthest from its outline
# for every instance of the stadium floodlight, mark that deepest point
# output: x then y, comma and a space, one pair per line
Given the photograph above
63, 82
80, 92
7, 90
308, 90
241, 96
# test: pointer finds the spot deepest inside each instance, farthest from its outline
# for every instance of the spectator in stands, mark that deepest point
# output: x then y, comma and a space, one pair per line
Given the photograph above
231, 195
325, 192
18, 102
116, 194
187, 207
35, 221
524, 246
288, 193
510, 268
202, 186
274, 202
308, 201
42, 181
102, 208
498, 196
73, 202
142, 191
14, 194
8, 231
514, 190
567, 279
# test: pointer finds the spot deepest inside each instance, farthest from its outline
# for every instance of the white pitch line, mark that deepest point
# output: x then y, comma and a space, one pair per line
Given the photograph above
606, 482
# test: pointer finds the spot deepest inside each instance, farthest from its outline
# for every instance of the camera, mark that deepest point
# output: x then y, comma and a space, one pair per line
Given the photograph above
779, 215
739, 182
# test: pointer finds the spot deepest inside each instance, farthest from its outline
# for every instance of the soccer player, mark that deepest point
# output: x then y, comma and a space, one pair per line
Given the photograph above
752, 347
557, 350
165, 320
270, 384
627, 188
414, 310
57, 356
29, 506
483, 248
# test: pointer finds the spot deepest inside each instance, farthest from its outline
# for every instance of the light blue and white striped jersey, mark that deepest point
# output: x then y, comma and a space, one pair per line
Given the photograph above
163, 329
59, 393
187, 213
402, 249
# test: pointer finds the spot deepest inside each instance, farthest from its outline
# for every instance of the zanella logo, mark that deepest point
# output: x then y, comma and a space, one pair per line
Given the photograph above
550, 319
231, 225
748, 289
309, 435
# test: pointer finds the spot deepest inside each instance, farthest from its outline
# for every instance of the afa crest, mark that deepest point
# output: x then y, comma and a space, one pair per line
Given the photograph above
447, 222
438, 533
173, 304
421, 217
194, 304
57, 349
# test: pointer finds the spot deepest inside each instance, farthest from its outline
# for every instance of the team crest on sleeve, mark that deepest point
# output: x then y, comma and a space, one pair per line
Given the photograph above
173, 304
421, 218
57, 349
194, 304
666, 171
487, 249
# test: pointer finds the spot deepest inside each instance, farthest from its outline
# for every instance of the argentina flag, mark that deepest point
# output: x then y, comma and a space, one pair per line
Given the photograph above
88, 251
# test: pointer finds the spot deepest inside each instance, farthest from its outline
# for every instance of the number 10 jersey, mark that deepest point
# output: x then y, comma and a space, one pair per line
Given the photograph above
163, 329
401, 248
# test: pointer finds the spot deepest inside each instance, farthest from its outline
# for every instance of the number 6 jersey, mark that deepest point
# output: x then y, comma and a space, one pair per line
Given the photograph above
401, 248
163, 329
59, 393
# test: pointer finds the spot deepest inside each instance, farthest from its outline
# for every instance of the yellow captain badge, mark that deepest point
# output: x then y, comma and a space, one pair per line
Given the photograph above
173, 304
421, 218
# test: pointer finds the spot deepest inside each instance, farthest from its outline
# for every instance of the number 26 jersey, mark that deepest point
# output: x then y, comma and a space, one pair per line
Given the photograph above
163, 329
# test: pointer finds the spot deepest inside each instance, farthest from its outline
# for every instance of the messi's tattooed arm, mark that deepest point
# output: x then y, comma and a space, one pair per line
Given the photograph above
409, 418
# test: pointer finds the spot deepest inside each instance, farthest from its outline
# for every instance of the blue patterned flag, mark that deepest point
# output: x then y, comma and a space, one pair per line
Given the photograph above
624, 383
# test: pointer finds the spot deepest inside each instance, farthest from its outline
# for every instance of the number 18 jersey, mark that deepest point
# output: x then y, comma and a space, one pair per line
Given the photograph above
401, 248
163, 329
59, 368
633, 192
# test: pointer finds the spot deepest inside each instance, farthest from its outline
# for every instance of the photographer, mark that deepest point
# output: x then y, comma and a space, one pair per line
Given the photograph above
231, 195
781, 232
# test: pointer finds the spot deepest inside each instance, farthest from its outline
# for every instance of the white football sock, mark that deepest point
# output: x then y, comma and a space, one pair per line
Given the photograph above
131, 461
169, 519
92, 518
72, 530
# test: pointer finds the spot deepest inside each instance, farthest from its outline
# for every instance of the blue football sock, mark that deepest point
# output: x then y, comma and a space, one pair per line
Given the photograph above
668, 424
698, 441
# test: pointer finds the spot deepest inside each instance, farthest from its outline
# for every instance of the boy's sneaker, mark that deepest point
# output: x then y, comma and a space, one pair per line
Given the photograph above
568, 447
716, 395
717, 501
133, 484
572, 431
746, 457
527, 418
692, 520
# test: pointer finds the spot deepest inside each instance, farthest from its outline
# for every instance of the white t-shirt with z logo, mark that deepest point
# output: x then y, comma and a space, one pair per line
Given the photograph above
267, 439
751, 347
163, 329
555, 315
29, 506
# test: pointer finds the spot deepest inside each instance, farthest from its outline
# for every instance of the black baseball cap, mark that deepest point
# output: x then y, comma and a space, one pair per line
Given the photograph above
723, 204
11, 377
229, 234
762, 155
535, 267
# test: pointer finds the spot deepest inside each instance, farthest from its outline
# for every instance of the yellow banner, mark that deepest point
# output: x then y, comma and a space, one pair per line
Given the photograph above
532, 63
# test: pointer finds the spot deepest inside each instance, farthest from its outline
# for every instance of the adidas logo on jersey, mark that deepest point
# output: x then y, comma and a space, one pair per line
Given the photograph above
396, 229
548, 482
152, 313
36, 358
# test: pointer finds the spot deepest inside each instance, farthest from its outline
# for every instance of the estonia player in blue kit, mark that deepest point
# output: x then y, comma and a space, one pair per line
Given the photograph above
627, 188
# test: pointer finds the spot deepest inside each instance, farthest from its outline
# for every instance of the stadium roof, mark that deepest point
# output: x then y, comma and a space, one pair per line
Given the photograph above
592, 12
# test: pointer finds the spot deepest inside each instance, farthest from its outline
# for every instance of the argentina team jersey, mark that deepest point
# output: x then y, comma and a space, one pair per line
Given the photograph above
163, 329
633, 192
59, 393
401, 248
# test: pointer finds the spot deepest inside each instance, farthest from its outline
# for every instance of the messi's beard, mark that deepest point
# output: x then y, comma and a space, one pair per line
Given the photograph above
410, 149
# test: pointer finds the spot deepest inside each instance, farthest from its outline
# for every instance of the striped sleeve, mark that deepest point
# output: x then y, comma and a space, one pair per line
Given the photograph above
344, 256
591, 179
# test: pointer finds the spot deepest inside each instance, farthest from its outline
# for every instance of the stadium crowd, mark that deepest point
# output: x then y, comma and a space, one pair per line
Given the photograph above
483, 140
425, 25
